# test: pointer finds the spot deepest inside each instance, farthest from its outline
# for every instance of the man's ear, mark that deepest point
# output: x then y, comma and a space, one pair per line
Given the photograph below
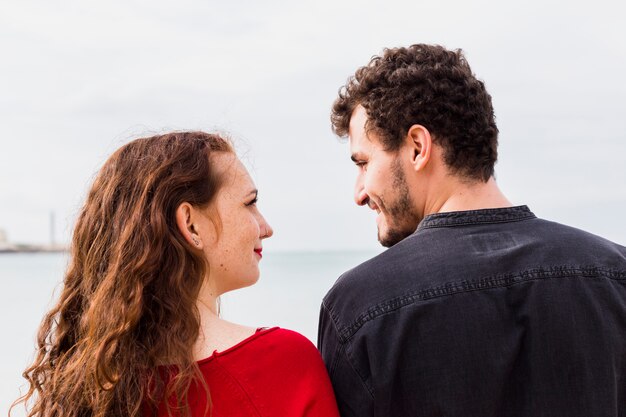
420, 145
185, 221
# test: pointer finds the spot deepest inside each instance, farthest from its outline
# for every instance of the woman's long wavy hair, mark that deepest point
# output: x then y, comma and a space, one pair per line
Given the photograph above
128, 301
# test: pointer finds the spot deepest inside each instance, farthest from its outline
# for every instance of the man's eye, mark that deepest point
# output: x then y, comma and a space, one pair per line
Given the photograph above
361, 164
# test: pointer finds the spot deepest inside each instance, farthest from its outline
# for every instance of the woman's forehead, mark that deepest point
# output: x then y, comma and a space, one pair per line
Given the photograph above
232, 171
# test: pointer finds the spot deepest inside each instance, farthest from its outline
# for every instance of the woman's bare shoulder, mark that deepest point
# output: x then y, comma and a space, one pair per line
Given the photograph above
220, 335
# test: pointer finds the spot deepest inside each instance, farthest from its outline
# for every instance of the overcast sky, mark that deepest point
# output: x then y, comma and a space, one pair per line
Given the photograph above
80, 78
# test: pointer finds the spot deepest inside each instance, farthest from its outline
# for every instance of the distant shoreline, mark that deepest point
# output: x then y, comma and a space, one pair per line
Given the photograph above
32, 249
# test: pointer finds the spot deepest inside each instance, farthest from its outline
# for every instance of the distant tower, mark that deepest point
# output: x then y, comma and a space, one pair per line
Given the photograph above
52, 239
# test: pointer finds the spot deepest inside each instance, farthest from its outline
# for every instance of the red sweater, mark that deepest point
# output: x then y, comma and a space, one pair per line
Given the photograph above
273, 373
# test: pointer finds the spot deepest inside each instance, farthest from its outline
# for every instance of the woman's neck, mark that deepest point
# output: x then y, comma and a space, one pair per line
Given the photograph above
215, 333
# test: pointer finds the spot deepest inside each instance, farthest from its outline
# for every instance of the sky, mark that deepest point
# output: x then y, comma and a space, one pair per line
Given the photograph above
78, 79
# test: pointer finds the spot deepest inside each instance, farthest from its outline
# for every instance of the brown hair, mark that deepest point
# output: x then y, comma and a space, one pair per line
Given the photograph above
128, 299
431, 86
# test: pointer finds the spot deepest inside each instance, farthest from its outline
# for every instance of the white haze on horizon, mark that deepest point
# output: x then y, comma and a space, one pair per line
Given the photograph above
79, 79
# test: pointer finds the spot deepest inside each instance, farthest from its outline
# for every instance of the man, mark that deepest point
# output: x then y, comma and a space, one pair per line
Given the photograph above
478, 308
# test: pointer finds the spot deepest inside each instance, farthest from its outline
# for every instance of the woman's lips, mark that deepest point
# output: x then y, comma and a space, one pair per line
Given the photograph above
259, 252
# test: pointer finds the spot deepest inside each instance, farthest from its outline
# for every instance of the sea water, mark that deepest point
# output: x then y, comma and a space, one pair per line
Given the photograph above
288, 294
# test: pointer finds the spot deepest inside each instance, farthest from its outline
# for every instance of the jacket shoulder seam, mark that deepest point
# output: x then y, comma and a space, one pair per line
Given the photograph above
486, 283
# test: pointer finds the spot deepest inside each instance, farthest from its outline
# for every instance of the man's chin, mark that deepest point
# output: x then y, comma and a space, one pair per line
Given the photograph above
390, 237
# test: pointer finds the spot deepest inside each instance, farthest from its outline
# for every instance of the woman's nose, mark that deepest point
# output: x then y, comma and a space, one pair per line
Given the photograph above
266, 230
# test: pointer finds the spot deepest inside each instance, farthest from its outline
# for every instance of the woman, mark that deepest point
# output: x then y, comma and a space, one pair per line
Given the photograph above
169, 225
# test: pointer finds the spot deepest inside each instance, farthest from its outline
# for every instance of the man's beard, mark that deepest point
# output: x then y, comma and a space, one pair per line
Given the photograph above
401, 219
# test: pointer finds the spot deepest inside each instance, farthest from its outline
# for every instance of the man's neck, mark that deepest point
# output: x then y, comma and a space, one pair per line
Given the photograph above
464, 196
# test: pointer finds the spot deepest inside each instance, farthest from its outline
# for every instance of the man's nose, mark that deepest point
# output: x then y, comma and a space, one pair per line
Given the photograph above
360, 196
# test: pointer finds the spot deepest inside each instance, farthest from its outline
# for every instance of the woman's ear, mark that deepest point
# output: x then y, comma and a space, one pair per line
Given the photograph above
420, 143
185, 221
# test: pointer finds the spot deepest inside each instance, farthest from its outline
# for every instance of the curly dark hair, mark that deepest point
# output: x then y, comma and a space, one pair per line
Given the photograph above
431, 86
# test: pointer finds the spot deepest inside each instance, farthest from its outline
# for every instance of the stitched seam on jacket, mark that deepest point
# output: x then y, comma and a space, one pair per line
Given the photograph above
516, 213
434, 223
333, 363
341, 348
351, 363
333, 318
497, 281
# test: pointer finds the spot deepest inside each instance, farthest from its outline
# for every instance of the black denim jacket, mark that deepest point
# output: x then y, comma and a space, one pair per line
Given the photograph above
481, 313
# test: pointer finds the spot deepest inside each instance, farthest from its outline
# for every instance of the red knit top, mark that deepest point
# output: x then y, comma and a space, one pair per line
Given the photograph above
275, 372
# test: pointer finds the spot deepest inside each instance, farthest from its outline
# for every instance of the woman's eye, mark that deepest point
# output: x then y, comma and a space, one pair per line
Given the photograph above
253, 202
